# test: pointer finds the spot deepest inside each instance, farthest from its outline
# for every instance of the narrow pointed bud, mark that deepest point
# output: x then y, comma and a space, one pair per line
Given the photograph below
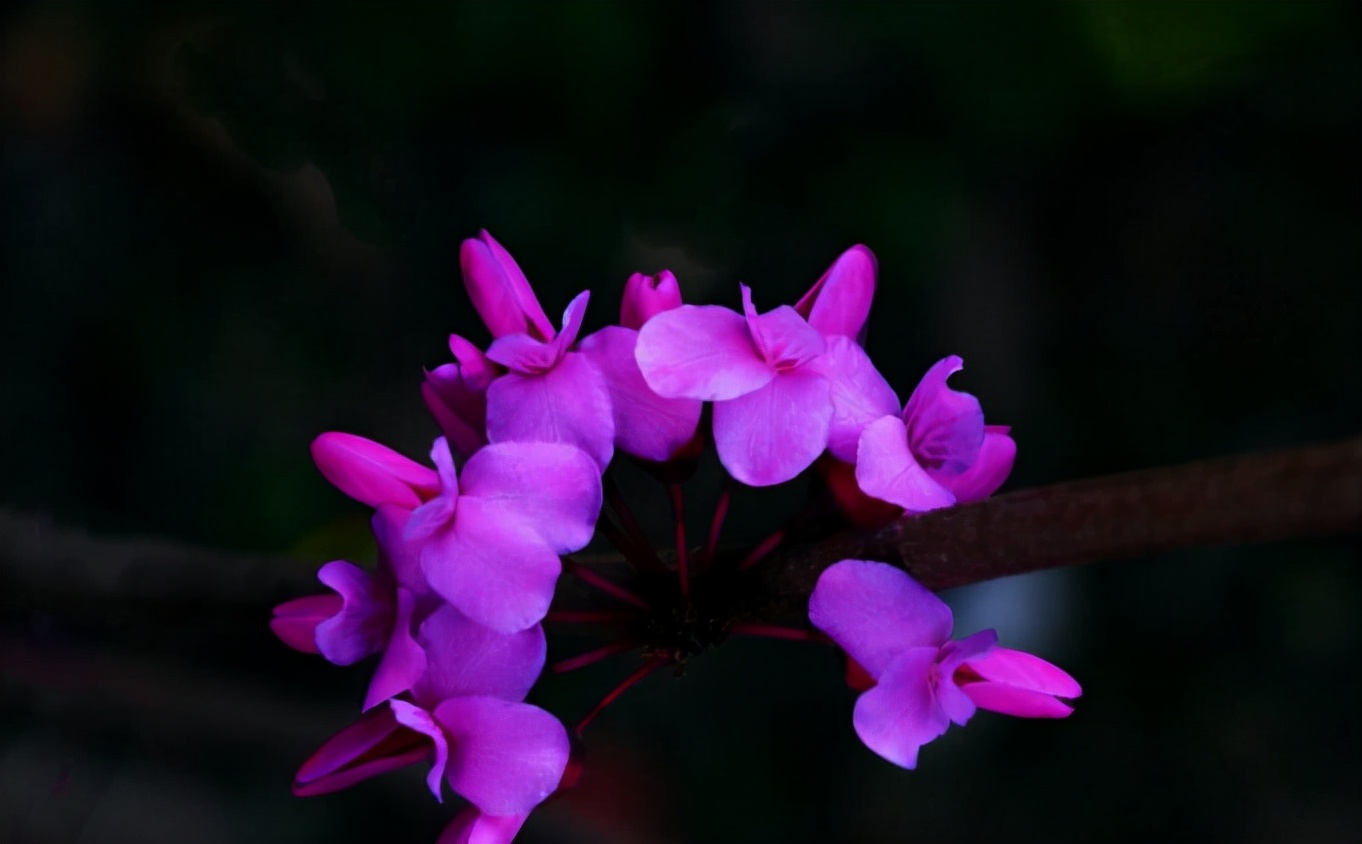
839, 302
500, 292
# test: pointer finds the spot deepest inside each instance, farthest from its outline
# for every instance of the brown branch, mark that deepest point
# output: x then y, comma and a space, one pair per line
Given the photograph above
1292, 494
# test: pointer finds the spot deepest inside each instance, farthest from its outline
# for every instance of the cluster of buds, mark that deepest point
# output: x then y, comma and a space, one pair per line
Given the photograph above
471, 548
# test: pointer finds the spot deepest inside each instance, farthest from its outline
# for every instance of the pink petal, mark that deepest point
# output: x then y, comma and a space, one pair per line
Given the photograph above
507, 757
886, 469
646, 296
783, 337
400, 556
901, 713
370, 473
769, 436
362, 625
493, 567
572, 322
554, 488
467, 659
945, 426
403, 662
372, 745
988, 471
957, 705
568, 404
1025, 671
436, 514
1009, 700
860, 395
839, 302
295, 622
473, 827
700, 352
501, 295
523, 354
459, 410
646, 425
876, 612
415, 718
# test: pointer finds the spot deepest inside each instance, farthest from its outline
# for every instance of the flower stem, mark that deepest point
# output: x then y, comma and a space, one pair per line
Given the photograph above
643, 671
630, 524
682, 556
640, 558
772, 631
609, 587
716, 526
593, 656
759, 553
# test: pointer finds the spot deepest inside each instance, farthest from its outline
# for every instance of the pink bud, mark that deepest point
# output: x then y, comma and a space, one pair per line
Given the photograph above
646, 296
501, 295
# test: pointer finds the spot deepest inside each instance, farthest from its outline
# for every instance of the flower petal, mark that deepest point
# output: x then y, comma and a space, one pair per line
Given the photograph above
887, 470
567, 404
403, 662
1025, 671
295, 622
839, 302
507, 757
875, 612
1009, 700
501, 295
781, 334
572, 322
987, 472
646, 296
768, 436
415, 718
901, 713
372, 745
370, 473
459, 410
945, 426
555, 488
700, 352
646, 424
523, 354
467, 659
361, 627
860, 395
396, 553
473, 827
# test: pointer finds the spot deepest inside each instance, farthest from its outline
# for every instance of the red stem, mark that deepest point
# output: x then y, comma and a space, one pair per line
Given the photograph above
759, 553
771, 631
609, 587
593, 656
716, 526
643, 671
682, 556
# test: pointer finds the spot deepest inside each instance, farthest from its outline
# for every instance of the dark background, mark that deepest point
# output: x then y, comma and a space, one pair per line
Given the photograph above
227, 228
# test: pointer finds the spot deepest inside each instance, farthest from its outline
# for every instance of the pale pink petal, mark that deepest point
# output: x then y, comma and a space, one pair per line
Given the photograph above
886, 469
783, 337
438, 513
646, 296
400, 556
769, 436
1010, 700
700, 352
1025, 671
523, 354
465, 658
839, 302
473, 827
474, 367
901, 713
506, 757
403, 662
415, 718
988, 471
860, 395
957, 705
460, 411
494, 568
372, 745
568, 404
501, 295
945, 426
295, 622
572, 322
370, 473
646, 424
875, 612
361, 627
553, 487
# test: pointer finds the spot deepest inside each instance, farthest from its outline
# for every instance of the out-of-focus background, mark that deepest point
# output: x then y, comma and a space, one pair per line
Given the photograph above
227, 228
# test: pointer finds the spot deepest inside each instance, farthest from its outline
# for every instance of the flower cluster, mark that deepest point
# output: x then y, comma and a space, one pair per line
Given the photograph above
471, 547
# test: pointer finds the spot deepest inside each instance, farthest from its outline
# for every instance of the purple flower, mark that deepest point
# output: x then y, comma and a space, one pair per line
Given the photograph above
490, 540
471, 826
371, 473
456, 394
772, 407
500, 292
900, 634
839, 302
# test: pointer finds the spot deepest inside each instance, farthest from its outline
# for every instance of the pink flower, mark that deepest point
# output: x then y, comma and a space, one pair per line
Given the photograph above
839, 302
456, 394
772, 407
500, 292
372, 474
900, 634
646, 424
490, 540
471, 826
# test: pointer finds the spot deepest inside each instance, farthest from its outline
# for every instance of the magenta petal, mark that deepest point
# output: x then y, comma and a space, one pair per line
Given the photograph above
886, 469
945, 426
839, 302
572, 322
769, 436
1009, 700
466, 659
700, 352
876, 612
459, 410
295, 622
988, 471
398, 555
646, 424
362, 625
523, 355
646, 296
1025, 671
507, 757
495, 568
501, 295
370, 473
901, 713
473, 827
372, 745
403, 662
415, 718
860, 395
783, 337
554, 488
568, 404
957, 705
